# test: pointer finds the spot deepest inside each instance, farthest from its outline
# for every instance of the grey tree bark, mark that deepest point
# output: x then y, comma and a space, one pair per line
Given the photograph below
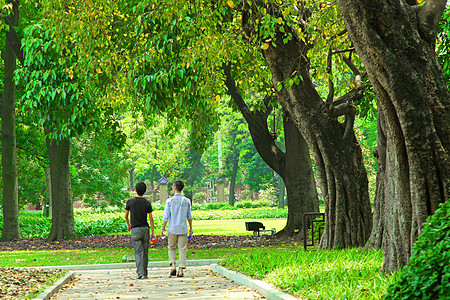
396, 41
48, 198
11, 229
63, 221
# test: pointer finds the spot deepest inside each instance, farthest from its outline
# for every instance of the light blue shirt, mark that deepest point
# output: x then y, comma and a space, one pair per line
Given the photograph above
178, 209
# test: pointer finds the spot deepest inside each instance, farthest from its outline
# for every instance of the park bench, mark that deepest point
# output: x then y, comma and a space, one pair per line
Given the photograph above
258, 227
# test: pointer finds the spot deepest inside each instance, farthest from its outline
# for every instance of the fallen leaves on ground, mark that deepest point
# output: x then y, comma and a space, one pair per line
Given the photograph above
113, 241
18, 283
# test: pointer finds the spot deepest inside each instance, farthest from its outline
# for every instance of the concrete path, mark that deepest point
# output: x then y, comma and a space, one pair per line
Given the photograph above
199, 283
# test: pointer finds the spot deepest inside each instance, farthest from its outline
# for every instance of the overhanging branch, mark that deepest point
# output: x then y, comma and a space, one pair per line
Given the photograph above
429, 16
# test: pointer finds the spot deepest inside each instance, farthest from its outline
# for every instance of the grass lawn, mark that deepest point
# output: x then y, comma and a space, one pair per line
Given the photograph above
233, 227
229, 227
96, 256
328, 274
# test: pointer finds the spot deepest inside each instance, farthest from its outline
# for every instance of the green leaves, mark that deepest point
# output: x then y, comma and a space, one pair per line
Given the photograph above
426, 276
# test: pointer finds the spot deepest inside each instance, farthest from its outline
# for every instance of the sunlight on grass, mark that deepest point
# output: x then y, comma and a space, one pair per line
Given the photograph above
347, 273
233, 227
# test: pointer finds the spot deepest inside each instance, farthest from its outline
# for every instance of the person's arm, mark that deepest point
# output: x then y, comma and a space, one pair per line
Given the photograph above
189, 216
127, 213
190, 226
163, 227
166, 216
152, 225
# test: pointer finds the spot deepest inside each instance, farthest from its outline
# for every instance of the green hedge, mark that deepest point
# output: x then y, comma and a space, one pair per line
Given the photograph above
427, 274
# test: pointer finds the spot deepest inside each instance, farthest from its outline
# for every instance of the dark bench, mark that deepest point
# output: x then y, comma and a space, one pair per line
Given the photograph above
258, 227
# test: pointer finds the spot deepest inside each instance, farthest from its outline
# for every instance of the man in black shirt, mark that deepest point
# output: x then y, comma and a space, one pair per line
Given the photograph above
138, 208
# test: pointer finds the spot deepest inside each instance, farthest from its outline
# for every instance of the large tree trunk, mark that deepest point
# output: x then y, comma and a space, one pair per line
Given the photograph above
298, 178
63, 223
396, 42
294, 166
11, 229
341, 173
376, 237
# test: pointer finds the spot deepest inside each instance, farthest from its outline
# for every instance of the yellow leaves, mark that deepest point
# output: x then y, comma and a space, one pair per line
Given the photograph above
178, 38
98, 70
217, 98
280, 21
266, 46
230, 4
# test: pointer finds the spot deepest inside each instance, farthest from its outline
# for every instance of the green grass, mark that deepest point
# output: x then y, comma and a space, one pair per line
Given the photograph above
97, 256
228, 227
233, 227
333, 274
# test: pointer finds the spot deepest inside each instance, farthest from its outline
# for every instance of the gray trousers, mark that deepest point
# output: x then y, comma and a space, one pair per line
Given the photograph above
140, 237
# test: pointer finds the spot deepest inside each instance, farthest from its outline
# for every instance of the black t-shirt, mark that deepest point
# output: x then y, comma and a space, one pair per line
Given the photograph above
139, 207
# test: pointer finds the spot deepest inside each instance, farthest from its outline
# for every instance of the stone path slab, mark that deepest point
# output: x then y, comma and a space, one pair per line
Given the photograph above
199, 283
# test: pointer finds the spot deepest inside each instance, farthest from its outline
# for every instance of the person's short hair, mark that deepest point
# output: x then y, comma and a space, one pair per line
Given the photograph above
141, 188
179, 185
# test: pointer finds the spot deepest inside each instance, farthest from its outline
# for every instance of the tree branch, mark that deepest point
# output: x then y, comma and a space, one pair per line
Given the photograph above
257, 125
429, 16
231, 86
11, 34
330, 96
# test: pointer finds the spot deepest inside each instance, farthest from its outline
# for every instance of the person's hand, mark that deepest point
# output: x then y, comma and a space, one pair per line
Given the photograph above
191, 231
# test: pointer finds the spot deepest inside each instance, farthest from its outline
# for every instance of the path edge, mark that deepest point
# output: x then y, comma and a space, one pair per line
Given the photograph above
263, 288
53, 289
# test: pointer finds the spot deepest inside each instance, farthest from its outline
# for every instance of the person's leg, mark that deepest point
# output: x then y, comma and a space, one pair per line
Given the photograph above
172, 242
136, 241
145, 245
182, 248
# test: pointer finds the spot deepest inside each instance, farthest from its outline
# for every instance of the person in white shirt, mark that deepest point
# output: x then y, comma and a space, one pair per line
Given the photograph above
177, 211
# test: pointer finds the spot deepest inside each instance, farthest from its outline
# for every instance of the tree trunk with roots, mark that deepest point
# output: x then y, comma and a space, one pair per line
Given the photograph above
396, 41
63, 223
293, 165
341, 173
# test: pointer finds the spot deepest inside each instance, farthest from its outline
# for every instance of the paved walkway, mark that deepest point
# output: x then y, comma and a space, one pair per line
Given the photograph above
199, 283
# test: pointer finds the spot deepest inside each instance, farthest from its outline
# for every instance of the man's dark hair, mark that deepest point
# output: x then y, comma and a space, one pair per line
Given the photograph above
141, 188
179, 185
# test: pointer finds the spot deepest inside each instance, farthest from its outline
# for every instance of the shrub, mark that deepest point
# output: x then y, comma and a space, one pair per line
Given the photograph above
268, 195
100, 227
427, 274
200, 197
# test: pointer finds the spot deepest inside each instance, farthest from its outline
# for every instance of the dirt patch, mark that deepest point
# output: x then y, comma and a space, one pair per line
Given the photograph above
113, 241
